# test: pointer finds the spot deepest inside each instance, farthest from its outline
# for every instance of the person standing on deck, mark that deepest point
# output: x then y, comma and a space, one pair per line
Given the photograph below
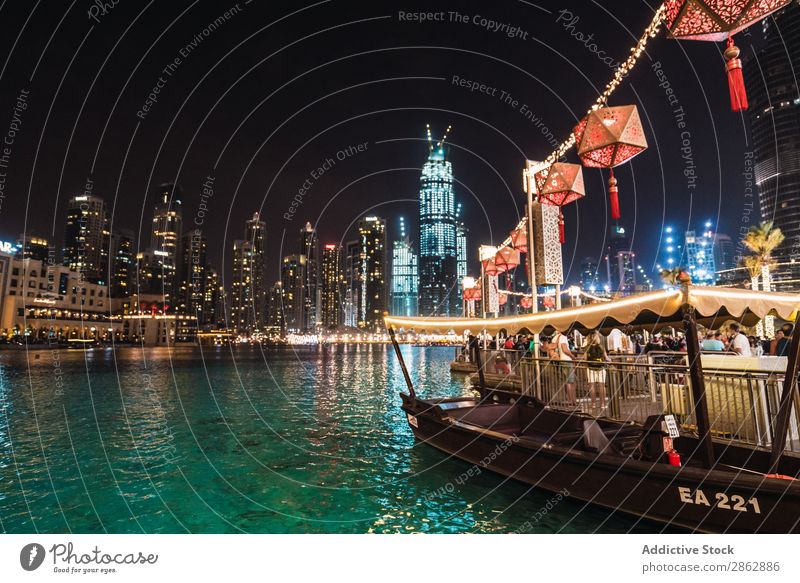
739, 342
565, 355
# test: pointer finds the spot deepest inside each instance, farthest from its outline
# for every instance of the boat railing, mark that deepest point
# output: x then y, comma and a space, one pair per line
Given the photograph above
742, 405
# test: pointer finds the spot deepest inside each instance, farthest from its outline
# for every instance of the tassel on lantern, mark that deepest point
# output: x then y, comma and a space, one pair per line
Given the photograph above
561, 237
735, 77
613, 196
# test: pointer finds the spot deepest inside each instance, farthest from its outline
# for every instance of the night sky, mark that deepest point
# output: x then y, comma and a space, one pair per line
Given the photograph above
278, 88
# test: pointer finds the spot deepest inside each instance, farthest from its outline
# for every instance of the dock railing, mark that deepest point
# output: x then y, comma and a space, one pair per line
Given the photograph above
742, 405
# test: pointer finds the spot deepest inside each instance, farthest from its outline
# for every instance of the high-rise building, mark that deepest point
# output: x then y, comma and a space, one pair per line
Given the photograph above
310, 291
700, 256
292, 276
276, 322
123, 264
33, 247
461, 252
256, 234
373, 294
332, 282
165, 240
86, 237
405, 276
589, 279
211, 299
242, 309
192, 274
438, 253
725, 260
771, 80
352, 283
620, 262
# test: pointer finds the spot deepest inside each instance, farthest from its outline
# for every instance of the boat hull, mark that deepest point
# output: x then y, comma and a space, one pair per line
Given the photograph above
687, 497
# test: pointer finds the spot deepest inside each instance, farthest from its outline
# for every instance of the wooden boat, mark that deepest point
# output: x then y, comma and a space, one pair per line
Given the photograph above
720, 486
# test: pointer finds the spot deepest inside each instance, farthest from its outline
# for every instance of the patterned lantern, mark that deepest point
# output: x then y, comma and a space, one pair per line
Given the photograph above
717, 20
526, 302
491, 268
503, 299
519, 239
507, 259
560, 184
608, 137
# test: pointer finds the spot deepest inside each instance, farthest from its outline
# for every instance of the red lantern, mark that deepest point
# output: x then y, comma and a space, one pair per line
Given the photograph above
502, 298
560, 184
519, 239
718, 20
526, 302
608, 137
490, 267
549, 302
506, 259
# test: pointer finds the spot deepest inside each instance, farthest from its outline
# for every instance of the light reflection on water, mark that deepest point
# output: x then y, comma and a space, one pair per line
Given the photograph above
280, 440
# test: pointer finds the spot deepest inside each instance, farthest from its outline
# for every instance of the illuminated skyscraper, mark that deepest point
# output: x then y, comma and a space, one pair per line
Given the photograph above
405, 276
292, 274
620, 262
772, 89
276, 322
438, 253
256, 233
310, 292
192, 275
165, 241
242, 312
461, 252
332, 280
86, 237
372, 272
352, 283
123, 264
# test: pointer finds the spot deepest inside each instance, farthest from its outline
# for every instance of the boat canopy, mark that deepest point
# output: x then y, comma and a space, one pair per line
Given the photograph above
649, 311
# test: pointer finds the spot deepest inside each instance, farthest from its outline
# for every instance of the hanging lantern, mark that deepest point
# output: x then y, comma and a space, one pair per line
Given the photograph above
608, 137
503, 298
560, 184
507, 259
519, 239
718, 20
490, 267
549, 302
526, 302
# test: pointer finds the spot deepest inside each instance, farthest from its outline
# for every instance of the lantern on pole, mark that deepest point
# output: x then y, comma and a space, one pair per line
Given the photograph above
526, 302
490, 268
506, 259
560, 184
608, 137
519, 238
719, 20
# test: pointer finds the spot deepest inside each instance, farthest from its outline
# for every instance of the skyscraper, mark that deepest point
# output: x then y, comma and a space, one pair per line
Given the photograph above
86, 237
700, 256
372, 272
352, 283
122, 264
242, 312
310, 292
332, 280
292, 275
165, 240
256, 234
33, 247
589, 274
438, 253
461, 252
192, 274
212, 316
276, 322
771, 80
405, 276
620, 262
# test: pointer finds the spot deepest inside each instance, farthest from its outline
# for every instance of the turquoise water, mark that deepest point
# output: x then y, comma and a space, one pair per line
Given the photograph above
273, 441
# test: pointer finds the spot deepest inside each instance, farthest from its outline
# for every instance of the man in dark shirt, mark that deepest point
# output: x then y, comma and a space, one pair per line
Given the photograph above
782, 346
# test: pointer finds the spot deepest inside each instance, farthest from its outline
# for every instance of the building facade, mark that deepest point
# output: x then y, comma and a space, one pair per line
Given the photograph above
771, 81
405, 276
372, 273
242, 309
256, 234
352, 283
310, 282
438, 253
332, 283
86, 237
165, 239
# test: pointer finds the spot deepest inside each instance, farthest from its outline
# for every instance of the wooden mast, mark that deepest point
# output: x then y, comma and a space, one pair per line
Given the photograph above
705, 445
402, 364
781, 427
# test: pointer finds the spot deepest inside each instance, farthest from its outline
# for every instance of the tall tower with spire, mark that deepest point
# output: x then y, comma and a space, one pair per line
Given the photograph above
438, 253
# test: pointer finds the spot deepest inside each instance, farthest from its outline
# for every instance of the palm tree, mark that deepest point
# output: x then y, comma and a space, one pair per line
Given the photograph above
753, 266
762, 240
